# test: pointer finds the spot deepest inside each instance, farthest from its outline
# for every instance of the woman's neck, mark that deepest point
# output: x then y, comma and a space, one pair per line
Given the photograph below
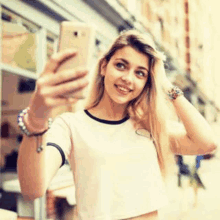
108, 110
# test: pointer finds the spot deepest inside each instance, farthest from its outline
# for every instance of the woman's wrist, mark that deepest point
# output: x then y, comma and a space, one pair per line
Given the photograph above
34, 125
171, 90
174, 93
23, 127
167, 86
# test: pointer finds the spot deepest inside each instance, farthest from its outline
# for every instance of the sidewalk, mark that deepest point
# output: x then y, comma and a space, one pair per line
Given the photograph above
208, 208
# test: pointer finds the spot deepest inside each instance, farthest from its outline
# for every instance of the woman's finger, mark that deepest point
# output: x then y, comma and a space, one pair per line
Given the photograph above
70, 87
59, 101
65, 76
65, 88
57, 58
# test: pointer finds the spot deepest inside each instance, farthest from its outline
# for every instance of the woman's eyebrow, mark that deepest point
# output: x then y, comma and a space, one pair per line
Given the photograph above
126, 61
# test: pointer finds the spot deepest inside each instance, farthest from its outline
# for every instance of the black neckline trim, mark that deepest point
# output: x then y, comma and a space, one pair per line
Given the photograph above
106, 121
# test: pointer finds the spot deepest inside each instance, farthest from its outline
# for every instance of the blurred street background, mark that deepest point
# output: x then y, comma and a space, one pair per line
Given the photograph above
187, 31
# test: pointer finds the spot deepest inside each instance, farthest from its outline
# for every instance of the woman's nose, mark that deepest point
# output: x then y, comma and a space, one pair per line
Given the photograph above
128, 76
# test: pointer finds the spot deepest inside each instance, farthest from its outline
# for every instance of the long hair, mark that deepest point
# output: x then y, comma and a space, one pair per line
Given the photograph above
151, 106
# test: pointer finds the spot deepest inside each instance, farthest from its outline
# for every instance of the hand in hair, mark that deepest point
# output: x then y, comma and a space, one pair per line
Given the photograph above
162, 77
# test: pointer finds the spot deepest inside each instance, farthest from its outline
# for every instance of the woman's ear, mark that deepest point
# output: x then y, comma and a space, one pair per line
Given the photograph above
103, 67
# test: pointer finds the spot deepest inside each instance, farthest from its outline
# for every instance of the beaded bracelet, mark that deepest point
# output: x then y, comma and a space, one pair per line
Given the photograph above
175, 92
22, 126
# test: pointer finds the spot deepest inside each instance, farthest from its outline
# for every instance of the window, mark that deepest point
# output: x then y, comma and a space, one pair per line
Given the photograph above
51, 44
18, 41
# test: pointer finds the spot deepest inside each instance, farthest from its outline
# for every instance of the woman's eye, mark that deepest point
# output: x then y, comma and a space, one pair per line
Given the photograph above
120, 65
140, 73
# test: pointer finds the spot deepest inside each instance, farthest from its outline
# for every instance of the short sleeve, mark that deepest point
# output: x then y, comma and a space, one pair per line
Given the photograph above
59, 136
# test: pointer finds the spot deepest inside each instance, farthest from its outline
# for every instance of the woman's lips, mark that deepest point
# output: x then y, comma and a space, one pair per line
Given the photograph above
122, 90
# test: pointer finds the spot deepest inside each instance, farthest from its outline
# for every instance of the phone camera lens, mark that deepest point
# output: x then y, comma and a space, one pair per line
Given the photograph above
75, 33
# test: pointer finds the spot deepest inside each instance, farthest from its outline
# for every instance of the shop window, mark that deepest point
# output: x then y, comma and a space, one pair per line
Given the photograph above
18, 41
51, 44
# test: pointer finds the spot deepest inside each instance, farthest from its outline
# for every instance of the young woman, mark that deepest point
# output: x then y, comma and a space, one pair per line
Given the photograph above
118, 146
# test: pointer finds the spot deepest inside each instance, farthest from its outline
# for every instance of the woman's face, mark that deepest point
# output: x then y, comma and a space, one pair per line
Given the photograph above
125, 75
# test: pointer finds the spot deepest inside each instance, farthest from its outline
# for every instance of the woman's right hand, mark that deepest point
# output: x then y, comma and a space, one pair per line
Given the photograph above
52, 88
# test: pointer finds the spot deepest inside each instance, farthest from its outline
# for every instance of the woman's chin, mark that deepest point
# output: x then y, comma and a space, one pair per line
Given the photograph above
120, 101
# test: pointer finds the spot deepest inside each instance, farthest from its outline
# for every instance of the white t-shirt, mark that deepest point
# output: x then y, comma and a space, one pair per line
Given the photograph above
116, 170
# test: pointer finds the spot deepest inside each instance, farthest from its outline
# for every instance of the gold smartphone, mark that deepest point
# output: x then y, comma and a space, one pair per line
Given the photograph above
80, 36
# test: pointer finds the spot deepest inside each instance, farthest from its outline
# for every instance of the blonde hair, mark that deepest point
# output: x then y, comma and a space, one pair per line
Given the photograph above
151, 106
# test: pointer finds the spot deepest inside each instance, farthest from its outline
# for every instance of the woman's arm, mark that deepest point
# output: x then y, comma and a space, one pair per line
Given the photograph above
35, 170
196, 135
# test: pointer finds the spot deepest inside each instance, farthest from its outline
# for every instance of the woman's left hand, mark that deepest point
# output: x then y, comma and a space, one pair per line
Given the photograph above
162, 77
